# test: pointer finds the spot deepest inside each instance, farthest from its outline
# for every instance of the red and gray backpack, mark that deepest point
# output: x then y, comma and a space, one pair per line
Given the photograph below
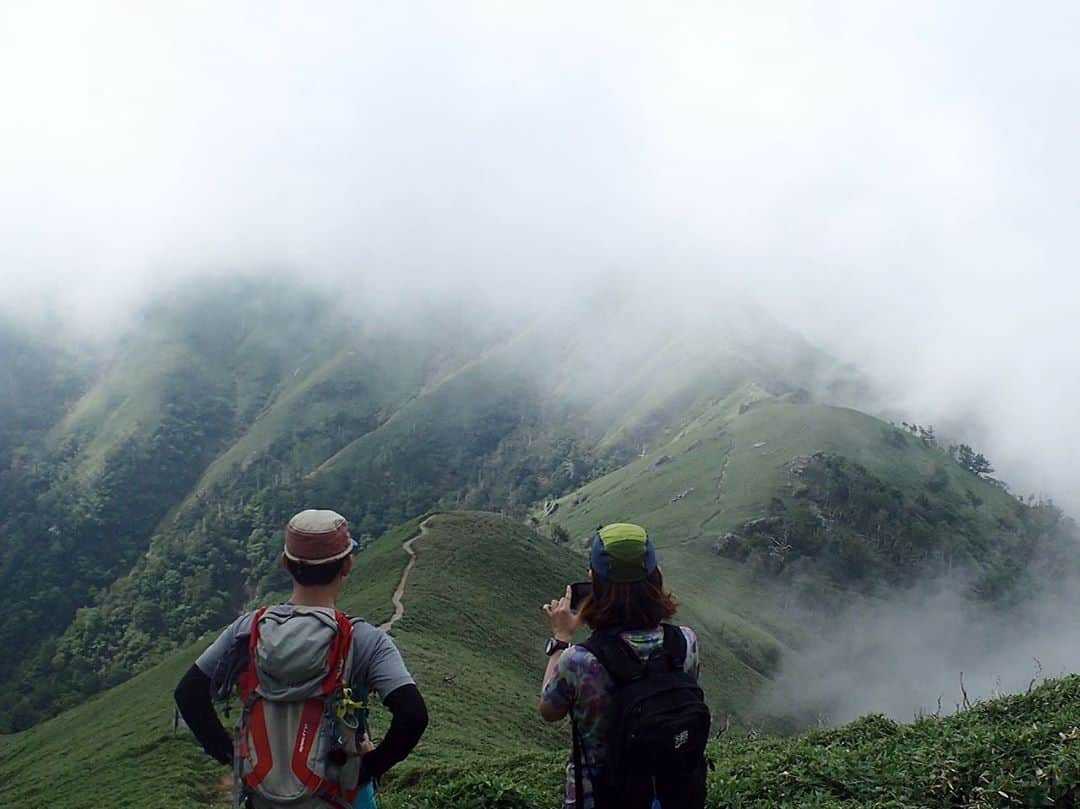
297, 736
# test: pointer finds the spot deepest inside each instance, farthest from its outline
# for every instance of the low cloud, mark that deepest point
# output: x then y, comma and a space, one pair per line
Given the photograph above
926, 651
895, 181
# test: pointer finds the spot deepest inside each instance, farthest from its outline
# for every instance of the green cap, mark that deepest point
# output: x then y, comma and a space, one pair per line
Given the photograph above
622, 552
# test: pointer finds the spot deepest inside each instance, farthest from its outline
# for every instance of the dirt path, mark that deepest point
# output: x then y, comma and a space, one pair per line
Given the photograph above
399, 593
726, 463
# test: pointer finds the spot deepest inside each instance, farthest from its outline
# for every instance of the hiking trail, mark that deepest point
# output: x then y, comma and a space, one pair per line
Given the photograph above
399, 593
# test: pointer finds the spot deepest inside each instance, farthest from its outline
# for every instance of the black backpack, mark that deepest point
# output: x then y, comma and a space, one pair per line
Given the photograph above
658, 725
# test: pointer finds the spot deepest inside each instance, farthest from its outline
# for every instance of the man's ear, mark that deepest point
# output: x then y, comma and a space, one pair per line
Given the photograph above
285, 563
346, 568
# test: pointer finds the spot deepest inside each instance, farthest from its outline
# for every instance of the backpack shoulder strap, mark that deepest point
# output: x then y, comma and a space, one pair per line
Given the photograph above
339, 655
227, 671
675, 646
615, 655
248, 681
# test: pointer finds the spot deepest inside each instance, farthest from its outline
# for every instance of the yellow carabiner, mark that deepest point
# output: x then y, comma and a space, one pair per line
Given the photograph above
347, 707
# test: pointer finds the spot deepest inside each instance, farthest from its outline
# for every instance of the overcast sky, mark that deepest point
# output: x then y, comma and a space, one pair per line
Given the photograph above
898, 181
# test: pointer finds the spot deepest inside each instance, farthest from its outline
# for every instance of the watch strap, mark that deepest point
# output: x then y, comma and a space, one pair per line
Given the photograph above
555, 645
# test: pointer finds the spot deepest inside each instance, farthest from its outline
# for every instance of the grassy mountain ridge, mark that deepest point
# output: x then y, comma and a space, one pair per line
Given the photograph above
754, 463
743, 445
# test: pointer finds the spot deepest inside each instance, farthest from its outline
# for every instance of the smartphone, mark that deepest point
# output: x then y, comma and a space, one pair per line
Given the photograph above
579, 591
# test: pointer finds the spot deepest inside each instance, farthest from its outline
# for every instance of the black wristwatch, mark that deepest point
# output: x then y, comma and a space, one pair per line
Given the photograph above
555, 645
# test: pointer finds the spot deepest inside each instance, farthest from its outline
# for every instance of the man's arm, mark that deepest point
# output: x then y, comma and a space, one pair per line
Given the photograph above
382, 671
193, 699
193, 694
409, 719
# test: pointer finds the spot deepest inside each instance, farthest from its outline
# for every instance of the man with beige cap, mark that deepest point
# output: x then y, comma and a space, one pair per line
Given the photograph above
303, 671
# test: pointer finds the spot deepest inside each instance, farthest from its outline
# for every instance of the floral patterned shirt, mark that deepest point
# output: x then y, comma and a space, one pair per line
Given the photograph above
581, 683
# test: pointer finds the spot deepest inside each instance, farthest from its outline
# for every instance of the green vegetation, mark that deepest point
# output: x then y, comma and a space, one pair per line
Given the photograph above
473, 633
723, 466
38, 379
1016, 751
860, 532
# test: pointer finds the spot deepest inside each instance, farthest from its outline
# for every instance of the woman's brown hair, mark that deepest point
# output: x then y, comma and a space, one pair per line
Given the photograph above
628, 605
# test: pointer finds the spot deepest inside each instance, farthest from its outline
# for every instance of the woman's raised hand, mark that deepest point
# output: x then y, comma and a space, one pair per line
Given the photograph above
564, 621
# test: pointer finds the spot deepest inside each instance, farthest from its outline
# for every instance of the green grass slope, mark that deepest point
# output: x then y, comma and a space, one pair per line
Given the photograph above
473, 632
1016, 751
729, 462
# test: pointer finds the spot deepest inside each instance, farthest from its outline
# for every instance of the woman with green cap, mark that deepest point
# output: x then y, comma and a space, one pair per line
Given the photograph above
639, 720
